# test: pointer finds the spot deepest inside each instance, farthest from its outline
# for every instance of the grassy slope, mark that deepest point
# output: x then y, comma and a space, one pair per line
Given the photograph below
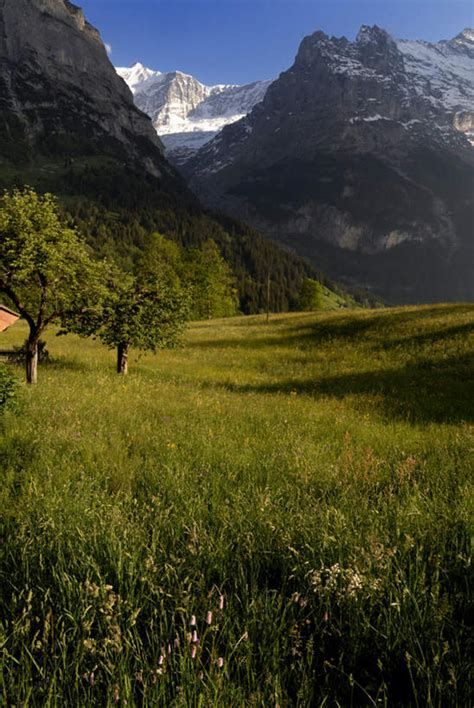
333, 301
316, 472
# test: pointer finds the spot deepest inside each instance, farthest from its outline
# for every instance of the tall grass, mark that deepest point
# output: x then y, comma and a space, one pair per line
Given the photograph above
308, 482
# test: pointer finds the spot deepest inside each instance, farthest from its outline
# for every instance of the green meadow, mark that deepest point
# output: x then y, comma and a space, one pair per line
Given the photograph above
307, 482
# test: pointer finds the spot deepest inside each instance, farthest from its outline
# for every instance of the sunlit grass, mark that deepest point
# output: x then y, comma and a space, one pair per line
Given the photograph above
315, 473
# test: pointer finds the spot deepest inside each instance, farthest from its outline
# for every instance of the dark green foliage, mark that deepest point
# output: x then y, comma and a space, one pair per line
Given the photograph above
13, 143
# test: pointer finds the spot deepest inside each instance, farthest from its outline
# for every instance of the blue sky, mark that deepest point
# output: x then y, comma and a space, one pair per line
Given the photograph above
237, 41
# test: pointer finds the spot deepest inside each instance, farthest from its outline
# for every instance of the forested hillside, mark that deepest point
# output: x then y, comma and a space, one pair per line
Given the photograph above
117, 205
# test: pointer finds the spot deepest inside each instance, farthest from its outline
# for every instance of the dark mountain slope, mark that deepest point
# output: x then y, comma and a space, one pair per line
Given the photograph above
352, 163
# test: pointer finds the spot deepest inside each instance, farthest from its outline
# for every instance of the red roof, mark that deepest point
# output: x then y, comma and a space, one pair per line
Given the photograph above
7, 317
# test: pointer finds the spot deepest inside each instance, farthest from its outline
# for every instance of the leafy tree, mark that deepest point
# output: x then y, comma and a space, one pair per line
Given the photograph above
162, 260
145, 310
200, 274
311, 295
210, 281
44, 266
148, 316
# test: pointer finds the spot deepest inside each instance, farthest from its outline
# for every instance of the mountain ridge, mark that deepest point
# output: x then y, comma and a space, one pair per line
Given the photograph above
185, 112
183, 126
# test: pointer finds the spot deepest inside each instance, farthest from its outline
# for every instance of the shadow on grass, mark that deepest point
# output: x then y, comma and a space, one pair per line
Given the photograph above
432, 337
426, 392
382, 326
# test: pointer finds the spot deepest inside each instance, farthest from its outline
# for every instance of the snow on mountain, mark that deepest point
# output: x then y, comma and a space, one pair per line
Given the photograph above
443, 73
186, 113
137, 75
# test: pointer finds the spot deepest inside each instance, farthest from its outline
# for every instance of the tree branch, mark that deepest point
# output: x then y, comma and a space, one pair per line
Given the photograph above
44, 297
50, 318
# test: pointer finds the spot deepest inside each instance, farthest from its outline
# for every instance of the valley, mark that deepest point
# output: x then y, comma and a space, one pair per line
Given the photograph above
236, 358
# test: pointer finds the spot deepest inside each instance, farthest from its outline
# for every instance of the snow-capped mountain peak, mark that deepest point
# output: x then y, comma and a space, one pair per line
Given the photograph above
465, 37
186, 113
136, 75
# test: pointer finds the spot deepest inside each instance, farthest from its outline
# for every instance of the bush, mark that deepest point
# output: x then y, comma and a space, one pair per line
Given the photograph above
8, 388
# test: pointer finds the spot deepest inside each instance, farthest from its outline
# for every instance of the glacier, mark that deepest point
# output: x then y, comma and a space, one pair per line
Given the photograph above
186, 113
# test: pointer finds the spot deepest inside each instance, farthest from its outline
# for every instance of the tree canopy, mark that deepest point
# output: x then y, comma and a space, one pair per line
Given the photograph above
44, 265
145, 309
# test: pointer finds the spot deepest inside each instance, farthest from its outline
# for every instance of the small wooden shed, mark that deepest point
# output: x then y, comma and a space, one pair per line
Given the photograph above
7, 317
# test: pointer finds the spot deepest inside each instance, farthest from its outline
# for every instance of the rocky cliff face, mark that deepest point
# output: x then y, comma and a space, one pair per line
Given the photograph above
59, 93
359, 158
186, 113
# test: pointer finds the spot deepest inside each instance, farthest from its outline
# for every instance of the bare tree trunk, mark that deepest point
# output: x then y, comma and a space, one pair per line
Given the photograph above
268, 299
122, 358
32, 361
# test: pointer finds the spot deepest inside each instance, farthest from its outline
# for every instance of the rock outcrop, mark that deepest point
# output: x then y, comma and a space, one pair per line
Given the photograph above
59, 93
